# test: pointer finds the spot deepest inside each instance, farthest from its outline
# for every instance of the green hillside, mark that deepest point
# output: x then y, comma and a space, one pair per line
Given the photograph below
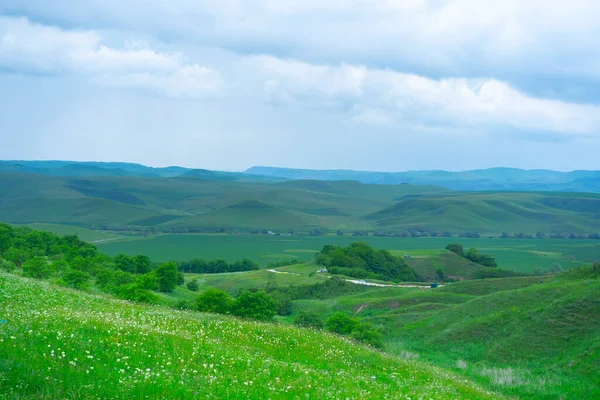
208, 200
89, 346
494, 212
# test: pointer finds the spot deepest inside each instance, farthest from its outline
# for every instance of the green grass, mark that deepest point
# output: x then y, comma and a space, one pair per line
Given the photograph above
514, 254
65, 344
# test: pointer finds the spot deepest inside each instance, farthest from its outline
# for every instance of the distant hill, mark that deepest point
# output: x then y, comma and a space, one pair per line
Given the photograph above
489, 211
507, 179
202, 199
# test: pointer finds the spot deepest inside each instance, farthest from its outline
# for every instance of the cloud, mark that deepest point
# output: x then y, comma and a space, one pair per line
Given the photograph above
385, 97
25, 46
509, 40
357, 93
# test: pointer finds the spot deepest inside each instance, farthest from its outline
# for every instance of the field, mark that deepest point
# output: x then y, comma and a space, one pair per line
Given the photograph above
66, 344
514, 254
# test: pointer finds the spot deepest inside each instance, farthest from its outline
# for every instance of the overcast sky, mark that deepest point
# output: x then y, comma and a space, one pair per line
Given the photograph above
386, 85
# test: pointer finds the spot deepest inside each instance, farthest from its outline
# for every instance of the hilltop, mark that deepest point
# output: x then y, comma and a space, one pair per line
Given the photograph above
91, 346
207, 201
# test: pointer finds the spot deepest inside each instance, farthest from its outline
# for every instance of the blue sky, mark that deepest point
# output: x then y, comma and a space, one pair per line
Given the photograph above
387, 85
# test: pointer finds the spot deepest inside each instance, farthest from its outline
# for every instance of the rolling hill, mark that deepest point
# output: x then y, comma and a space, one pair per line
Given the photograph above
209, 200
509, 179
90, 346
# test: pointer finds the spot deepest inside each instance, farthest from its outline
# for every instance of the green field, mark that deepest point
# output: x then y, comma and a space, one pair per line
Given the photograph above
66, 344
514, 254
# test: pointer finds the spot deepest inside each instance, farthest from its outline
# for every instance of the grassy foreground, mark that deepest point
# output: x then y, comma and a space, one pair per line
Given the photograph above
59, 343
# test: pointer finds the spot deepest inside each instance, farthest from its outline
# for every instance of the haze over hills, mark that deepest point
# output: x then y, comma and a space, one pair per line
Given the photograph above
506, 179
177, 199
512, 179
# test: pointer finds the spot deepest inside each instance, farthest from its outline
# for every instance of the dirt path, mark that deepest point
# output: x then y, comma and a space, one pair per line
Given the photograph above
357, 282
282, 272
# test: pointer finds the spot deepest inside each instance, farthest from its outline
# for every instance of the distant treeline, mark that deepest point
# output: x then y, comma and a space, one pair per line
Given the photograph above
219, 266
409, 233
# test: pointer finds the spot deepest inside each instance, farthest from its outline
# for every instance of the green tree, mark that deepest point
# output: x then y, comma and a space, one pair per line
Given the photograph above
147, 281
5, 238
365, 332
213, 301
142, 264
167, 276
135, 293
440, 273
38, 267
75, 279
17, 256
308, 319
341, 323
193, 285
455, 248
124, 263
257, 305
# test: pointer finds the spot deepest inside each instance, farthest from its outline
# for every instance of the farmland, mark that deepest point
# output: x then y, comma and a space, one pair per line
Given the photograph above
523, 255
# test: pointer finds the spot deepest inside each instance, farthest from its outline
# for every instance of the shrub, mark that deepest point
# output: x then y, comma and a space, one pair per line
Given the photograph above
75, 279
257, 305
38, 267
135, 293
455, 248
284, 307
147, 281
308, 320
168, 276
193, 285
341, 323
214, 301
366, 333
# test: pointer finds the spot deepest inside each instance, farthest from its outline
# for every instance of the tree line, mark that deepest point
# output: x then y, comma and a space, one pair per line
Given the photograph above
359, 260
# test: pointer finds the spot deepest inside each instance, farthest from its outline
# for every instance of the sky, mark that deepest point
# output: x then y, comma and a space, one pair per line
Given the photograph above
382, 85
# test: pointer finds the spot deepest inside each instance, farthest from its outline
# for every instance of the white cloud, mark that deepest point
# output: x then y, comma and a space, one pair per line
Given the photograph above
384, 97
443, 37
45, 49
358, 93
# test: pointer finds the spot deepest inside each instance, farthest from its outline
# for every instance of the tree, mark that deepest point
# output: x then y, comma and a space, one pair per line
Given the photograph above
455, 248
142, 264
365, 332
193, 285
308, 319
341, 323
124, 263
147, 281
5, 238
167, 276
257, 305
213, 301
38, 267
75, 279
16, 256
540, 235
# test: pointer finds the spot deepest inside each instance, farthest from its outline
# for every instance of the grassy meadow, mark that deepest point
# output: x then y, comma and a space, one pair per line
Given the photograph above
523, 255
61, 343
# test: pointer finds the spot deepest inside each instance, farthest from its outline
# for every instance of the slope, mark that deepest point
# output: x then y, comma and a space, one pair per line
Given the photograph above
493, 212
66, 344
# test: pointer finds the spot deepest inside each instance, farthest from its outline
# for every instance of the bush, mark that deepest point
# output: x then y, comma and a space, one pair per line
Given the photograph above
366, 333
341, 323
308, 320
167, 276
7, 266
75, 279
147, 281
133, 292
284, 307
455, 248
213, 301
257, 305
193, 285
38, 268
